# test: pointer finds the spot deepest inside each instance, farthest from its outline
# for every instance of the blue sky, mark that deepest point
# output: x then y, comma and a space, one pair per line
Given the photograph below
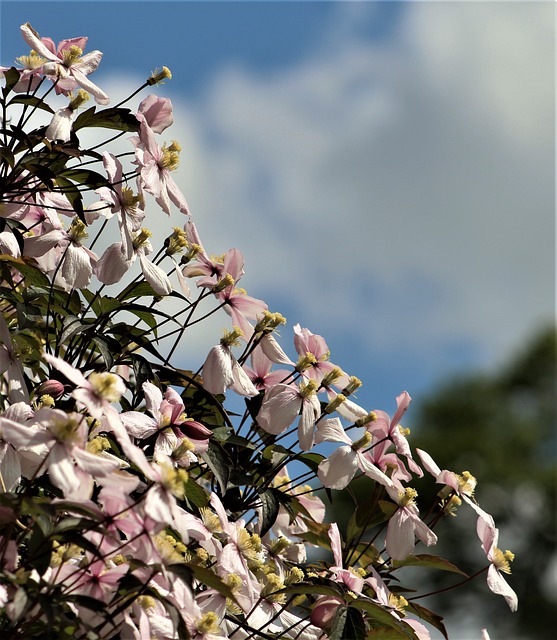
386, 168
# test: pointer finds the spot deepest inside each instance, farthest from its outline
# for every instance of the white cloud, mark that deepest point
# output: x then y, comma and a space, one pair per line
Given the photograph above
401, 189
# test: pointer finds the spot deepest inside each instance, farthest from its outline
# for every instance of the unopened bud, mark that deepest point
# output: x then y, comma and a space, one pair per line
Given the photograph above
52, 388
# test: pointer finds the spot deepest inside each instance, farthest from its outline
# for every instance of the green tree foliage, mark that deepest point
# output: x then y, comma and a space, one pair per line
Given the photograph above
502, 427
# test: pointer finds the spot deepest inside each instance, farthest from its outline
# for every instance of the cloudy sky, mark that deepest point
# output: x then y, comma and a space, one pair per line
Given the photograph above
386, 168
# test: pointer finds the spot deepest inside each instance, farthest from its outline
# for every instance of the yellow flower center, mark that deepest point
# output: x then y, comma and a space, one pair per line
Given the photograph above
71, 56
170, 156
105, 386
502, 560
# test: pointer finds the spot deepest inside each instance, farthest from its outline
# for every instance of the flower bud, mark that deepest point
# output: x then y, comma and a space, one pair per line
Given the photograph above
324, 611
53, 388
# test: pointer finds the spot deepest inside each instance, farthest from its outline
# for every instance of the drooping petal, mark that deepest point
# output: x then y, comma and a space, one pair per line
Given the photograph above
155, 276
500, 586
336, 471
400, 539
281, 404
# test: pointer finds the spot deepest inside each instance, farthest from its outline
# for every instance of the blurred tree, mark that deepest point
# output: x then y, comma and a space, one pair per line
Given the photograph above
502, 428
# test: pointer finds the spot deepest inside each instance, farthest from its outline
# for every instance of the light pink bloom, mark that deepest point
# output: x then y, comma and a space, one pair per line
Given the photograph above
62, 438
169, 421
260, 371
463, 487
156, 112
94, 393
499, 562
283, 403
113, 264
340, 574
385, 427
405, 525
60, 127
156, 164
221, 371
99, 580
61, 254
336, 471
66, 64
307, 342
10, 365
122, 201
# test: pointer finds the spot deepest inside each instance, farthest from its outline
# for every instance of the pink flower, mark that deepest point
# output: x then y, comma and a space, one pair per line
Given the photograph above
385, 427
307, 343
123, 202
61, 254
405, 524
336, 471
499, 562
62, 438
66, 64
98, 580
260, 371
96, 392
156, 112
156, 165
169, 421
221, 371
283, 403
10, 365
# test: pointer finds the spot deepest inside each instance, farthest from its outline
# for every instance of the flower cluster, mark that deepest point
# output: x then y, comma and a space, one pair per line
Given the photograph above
133, 502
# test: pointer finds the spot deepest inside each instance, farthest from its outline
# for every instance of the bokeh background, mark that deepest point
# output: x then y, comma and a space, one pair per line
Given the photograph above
388, 171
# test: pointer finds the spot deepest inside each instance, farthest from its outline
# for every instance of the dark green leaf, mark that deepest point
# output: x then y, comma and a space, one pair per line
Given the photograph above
195, 494
354, 627
430, 562
136, 290
270, 507
339, 624
104, 349
381, 618
11, 78
428, 616
219, 462
85, 176
7, 155
111, 118
32, 101
32, 275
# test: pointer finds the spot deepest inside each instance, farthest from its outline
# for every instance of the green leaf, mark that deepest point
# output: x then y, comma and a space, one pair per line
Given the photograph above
220, 463
354, 626
72, 194
428, 616
324, 588
136, 290
381, 619
429, 562
33, 276
105, 350
32, 101
270, 507
11, 77
111, 118
196, 494
311, 460
210, 579
339, 623
84, 176
7, 155
369, 514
